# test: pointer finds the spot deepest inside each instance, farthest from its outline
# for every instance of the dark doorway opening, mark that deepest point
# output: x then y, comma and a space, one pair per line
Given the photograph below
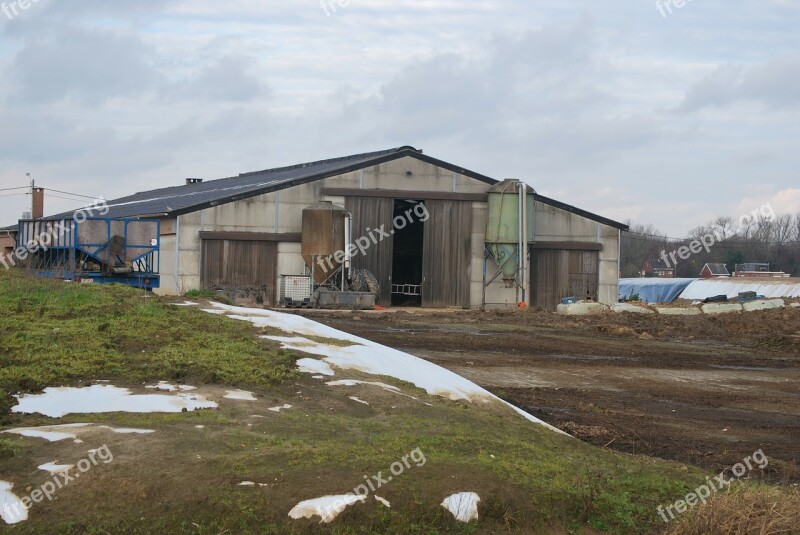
409, 238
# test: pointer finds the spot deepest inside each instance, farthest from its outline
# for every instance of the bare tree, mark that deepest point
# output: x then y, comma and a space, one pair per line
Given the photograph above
747, 225
783, 229
797, 228
763, 229
722, 227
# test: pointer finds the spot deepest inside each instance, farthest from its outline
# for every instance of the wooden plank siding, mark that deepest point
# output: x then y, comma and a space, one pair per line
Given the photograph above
558, 273
446, 254
240, 264
371, 213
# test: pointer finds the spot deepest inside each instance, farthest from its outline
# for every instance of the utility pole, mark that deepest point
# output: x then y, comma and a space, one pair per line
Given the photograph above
33, 186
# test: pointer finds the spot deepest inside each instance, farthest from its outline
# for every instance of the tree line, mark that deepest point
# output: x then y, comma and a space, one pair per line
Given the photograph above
762, 237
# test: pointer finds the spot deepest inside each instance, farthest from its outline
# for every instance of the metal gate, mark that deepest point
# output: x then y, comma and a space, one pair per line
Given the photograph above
374, 213
446, 254
557, 273
240, 265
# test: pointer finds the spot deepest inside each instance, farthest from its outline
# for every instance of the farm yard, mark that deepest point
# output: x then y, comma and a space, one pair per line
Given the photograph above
290, 411
703, 390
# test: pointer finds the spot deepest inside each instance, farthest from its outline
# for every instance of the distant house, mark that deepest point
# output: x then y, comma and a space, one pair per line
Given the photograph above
757, 270
659, 269
711, 271
8, 241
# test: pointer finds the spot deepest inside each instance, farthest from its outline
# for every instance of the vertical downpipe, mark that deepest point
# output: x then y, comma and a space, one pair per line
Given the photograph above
348, 239
520, 266
524, 250
177, 254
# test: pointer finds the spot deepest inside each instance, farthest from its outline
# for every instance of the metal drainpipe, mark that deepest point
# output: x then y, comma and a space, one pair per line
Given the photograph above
177, 253
524, 250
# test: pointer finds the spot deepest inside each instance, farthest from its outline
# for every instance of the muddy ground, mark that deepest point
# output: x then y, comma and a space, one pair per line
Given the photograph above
703, 390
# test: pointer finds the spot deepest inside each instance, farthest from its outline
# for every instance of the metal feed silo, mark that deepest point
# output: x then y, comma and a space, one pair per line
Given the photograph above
324, 235
503, 229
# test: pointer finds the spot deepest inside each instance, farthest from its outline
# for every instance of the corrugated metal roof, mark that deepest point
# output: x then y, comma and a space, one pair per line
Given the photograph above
189, 198
192, 197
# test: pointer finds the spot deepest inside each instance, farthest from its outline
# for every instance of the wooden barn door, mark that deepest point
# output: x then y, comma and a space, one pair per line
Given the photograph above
372, 212
240, 265
446, 254
584, 273
558, 273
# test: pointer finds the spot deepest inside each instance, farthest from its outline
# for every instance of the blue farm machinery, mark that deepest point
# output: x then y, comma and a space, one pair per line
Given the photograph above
99, 250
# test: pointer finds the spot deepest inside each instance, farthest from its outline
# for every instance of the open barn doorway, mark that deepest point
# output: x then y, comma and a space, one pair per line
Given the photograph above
409, 240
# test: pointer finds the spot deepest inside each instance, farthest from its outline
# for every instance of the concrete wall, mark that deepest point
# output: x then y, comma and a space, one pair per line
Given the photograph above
281, 212
554, 224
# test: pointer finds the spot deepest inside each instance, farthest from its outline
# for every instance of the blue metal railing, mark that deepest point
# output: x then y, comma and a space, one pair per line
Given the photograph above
54, 249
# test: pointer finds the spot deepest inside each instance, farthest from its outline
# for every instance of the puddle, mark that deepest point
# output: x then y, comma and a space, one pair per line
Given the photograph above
54, 468
51, 433
315, 366
281, 408
124, 431
353, 382
167, 387
240, 395
58, 402
12, 510
327, 507
463, 506
747, 368
591, 358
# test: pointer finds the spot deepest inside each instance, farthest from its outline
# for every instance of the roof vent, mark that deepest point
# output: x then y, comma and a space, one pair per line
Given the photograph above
190, 181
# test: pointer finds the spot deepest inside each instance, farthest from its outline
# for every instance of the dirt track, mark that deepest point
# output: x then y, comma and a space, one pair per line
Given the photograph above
704, 390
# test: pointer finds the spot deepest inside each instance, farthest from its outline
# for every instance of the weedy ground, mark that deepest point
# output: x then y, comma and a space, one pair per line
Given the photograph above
185, 477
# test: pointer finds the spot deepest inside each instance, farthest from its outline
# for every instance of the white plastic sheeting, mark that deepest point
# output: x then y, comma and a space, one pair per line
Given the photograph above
369, 357
731, 287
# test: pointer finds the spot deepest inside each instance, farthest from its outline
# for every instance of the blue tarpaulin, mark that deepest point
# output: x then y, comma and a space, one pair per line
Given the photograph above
653, 290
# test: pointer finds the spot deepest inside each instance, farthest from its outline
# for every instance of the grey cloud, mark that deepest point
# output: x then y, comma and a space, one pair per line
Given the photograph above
86, 65
774, 84
544, 91
228, 79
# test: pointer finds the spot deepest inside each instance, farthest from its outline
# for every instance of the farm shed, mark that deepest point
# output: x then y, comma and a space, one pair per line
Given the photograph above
241, 234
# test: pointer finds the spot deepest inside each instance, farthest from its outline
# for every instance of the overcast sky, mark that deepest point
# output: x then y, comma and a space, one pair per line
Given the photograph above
667, 119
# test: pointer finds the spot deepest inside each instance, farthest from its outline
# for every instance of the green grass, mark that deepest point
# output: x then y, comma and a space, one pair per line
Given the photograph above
61, 334
200, 294
186, 480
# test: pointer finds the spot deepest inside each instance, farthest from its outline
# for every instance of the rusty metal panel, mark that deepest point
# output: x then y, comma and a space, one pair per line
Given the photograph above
240, 265
563, 273
374, 213
323, 237
446, 255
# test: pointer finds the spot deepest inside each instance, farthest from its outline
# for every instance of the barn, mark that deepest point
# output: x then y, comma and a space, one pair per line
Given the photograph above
242, 234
